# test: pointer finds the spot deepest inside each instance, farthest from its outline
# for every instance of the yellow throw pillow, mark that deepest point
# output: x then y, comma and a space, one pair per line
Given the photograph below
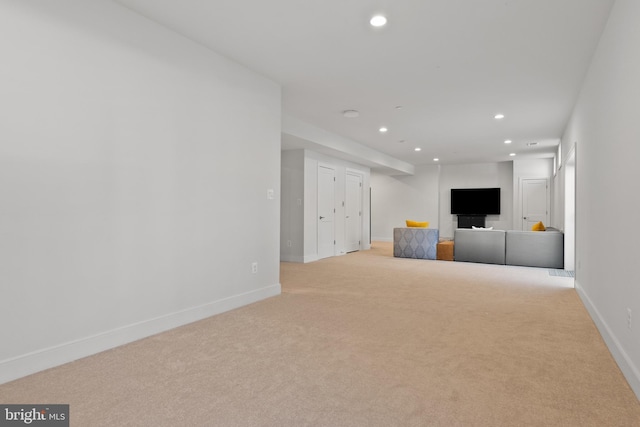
418, 224
539, 226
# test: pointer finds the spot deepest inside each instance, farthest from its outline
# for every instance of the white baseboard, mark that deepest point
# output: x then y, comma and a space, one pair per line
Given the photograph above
291, 258
310, 258
27, 364
629, 369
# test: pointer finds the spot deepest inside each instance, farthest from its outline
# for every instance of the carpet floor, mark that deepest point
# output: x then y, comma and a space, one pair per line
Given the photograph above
364, 339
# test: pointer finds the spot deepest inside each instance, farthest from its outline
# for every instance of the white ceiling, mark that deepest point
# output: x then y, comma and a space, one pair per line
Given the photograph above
451, 65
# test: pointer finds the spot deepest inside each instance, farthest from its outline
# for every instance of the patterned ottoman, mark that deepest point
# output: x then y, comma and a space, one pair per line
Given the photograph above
411, 242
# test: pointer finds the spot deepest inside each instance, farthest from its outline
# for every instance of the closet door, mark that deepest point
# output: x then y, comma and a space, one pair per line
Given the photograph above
326, 211
535, 202
353, 212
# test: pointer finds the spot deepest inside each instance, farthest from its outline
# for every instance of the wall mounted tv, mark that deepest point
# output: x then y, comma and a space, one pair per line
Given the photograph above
475, 201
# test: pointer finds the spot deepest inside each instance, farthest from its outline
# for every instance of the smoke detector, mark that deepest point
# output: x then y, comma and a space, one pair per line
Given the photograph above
350, 114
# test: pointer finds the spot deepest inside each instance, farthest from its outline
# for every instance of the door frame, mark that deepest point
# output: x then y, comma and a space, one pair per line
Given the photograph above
570, 216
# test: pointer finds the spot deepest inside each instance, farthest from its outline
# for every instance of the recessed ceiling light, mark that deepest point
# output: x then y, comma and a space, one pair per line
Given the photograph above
383, 129
436, 159
378, 21
350, 113
507, 141
417, 149
531, 144
499, 116
512, 154
398, 107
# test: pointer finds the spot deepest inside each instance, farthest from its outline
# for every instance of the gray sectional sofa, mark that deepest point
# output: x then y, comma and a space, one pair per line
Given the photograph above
511, 247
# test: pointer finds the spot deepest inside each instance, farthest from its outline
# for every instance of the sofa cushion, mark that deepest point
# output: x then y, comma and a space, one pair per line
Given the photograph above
535, 249
486, 246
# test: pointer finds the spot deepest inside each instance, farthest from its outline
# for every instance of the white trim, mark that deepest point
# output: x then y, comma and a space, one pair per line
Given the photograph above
291, 258
570, 225
310, 258
630, 371
570, 153
30, 363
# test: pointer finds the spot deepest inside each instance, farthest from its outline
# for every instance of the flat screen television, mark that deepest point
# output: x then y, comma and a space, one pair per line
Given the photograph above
475, 201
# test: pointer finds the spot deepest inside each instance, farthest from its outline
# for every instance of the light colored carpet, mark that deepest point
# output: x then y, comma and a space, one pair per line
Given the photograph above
362, 340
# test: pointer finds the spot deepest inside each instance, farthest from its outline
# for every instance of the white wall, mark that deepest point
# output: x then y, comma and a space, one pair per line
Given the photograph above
394, 199
292, 208
478, 175
426, 196
606, 129
134, 166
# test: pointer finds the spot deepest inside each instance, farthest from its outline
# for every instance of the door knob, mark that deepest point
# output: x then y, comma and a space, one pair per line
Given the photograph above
321, 217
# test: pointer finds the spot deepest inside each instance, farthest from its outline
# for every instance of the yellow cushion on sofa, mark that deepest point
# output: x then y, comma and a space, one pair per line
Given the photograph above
539, 226
419, 224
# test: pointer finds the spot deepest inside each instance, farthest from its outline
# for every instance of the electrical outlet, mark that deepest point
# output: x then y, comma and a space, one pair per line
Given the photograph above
254, 267
289, 243
628, 317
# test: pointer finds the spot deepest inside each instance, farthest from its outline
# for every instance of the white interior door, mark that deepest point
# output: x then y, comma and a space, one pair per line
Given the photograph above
535, 202
353, 212
326, 211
